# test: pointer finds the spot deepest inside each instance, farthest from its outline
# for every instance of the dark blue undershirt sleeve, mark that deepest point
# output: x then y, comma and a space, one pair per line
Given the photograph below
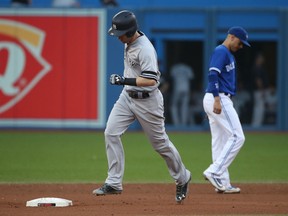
213, 83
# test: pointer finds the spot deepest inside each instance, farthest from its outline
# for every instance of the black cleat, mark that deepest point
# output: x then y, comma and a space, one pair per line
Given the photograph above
106, 189
181, 191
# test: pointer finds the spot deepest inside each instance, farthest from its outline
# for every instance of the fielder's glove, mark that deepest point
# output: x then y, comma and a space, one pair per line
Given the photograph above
116, 79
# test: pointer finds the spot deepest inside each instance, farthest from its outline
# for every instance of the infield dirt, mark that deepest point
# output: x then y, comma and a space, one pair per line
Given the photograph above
145, 199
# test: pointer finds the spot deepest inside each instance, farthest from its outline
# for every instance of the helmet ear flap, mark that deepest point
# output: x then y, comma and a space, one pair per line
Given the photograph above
131, 32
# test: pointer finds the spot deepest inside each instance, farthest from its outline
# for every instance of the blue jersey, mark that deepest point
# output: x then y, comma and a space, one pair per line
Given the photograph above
223, 62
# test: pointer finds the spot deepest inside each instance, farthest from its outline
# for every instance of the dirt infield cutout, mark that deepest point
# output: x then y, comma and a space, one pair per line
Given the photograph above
145, 199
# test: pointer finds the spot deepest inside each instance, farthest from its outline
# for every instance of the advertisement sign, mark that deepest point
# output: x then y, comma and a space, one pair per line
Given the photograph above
52, 67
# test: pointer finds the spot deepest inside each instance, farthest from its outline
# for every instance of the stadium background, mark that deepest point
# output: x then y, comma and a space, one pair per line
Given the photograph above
190, 29
73, 90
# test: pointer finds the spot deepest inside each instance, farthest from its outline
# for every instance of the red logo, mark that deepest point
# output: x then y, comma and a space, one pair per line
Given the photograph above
52, 68
22, 65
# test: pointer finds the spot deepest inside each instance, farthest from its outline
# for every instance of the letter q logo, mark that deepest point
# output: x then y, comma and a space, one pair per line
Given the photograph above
21, 65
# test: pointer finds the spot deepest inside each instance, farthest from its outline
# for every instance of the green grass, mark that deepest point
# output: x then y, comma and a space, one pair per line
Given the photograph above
32, 157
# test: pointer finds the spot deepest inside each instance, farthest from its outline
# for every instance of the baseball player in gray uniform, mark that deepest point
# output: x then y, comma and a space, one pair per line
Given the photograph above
139, 100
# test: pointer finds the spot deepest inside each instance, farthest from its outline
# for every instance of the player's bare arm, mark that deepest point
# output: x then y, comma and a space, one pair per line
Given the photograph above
142, 82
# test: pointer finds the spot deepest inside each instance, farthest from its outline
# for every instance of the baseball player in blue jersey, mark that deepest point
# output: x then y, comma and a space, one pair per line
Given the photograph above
226, 130
139, 100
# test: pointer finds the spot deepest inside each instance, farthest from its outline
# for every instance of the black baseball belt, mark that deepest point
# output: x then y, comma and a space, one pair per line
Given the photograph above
138, 94
227, 94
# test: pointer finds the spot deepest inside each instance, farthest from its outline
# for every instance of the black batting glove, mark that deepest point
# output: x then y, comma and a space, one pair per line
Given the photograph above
116, 79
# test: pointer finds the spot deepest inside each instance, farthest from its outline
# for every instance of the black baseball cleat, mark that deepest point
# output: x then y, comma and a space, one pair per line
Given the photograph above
181, 191
106, 189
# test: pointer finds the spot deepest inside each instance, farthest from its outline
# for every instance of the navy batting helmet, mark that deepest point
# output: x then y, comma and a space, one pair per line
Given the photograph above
123, 22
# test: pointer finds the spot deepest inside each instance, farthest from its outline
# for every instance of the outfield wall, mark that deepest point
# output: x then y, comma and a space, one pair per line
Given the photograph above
201, 29
67, 86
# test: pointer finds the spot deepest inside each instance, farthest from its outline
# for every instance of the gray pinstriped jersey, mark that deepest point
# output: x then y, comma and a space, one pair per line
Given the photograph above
140, 56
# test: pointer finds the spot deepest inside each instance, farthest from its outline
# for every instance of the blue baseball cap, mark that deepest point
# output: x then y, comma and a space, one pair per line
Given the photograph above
240, 33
